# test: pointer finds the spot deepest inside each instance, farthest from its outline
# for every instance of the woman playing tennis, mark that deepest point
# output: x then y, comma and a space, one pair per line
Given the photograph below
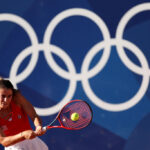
15, 130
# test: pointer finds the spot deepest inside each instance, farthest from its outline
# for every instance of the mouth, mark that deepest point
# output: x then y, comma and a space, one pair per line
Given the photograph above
4, 104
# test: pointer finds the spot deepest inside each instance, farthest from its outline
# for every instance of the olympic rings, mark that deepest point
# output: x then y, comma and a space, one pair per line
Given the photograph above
119, 33
72, 12
85, 73
130, 103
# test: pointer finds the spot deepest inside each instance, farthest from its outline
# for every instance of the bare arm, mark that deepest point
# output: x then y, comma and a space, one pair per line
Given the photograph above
30, 111
10, 140
28, 108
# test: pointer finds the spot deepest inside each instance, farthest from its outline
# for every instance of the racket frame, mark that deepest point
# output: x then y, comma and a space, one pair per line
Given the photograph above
50, 126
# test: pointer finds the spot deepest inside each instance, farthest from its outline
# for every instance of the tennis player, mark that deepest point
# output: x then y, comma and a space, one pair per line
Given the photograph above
15, 130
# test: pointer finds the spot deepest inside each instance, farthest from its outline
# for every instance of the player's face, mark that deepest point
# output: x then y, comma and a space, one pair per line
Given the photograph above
5, 97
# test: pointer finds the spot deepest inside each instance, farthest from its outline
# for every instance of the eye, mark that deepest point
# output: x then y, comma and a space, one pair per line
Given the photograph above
9, 96
3, 96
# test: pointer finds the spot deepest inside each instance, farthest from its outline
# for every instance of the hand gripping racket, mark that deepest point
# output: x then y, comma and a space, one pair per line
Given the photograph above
75, 115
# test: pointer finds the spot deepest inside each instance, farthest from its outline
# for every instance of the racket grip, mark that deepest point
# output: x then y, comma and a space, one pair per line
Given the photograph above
44, 128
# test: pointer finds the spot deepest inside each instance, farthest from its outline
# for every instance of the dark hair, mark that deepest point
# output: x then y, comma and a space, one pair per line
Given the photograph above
6, 84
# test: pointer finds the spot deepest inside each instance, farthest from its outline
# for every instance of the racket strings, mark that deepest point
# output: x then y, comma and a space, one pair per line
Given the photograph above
82, 109
84, 118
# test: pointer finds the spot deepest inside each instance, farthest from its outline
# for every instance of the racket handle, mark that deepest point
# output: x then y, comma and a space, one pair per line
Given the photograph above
44, 128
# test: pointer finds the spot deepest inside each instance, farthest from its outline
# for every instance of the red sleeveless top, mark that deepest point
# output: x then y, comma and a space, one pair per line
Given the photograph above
16, 122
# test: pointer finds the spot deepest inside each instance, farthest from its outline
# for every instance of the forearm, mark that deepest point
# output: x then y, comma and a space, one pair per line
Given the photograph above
10, 140
38, 126
37, 121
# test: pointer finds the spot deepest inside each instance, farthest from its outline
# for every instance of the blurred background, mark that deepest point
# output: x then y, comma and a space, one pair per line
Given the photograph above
46, 51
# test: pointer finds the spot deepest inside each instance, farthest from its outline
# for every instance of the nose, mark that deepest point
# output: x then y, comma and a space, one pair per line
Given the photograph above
5, 99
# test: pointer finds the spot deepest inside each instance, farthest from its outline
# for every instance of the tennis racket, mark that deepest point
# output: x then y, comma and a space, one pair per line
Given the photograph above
75, 115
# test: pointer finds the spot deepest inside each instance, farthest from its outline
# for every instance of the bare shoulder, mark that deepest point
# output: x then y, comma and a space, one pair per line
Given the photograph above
18, 98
